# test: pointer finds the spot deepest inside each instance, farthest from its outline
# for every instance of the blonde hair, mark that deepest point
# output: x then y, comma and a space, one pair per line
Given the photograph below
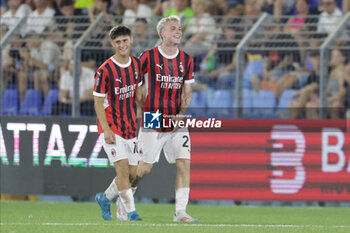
163, 21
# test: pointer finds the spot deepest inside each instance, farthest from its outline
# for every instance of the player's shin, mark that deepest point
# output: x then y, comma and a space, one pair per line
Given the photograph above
112, 191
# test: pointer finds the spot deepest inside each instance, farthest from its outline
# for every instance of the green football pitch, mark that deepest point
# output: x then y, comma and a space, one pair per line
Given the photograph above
36, 217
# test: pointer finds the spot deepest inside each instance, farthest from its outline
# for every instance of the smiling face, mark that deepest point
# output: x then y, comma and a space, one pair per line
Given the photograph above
122, 45
302, 6
329, 6
172, 33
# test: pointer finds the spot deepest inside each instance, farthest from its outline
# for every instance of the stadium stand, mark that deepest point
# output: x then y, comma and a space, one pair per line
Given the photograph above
279, 56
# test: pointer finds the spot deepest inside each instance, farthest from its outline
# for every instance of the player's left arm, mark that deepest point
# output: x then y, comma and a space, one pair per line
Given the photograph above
186, 96
186, 99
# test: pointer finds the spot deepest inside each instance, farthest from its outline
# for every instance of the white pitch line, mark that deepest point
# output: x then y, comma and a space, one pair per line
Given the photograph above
178, 225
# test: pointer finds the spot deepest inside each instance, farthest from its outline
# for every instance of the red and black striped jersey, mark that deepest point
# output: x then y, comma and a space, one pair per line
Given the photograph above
164, 78
118, 83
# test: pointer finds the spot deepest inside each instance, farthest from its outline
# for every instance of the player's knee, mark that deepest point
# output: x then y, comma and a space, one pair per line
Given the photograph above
132, 172
144, 169
122, 169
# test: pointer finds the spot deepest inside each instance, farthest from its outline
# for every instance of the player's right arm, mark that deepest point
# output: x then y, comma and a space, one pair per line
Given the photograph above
100, 90
101, 115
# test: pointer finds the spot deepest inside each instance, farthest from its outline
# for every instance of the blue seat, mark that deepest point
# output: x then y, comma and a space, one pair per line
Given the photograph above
199, 99
220, 106
198, 104
31, 103
285, 99
10, 102
264, 104
50, 99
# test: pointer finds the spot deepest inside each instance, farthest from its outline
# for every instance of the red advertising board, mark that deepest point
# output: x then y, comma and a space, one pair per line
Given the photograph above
303, 160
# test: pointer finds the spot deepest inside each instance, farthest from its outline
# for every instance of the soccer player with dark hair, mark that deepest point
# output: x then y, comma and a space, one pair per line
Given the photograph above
116, 93
168, 76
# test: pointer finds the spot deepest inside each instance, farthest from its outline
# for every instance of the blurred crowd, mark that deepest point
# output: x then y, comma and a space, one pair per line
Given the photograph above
40, 56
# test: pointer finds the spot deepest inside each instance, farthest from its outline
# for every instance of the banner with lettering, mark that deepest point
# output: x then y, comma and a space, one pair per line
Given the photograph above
301, 160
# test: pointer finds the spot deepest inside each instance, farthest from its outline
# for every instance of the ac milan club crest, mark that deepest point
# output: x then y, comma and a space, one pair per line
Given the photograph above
181, 67
113, 153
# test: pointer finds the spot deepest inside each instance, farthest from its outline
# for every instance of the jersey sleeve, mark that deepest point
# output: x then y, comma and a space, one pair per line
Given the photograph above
189, 76
144, 58
140, 78
101, 83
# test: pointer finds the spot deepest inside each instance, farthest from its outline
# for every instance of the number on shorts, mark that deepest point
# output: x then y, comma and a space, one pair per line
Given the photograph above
186, 141
135, 148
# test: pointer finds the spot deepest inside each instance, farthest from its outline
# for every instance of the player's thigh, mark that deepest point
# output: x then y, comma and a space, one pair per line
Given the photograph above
117, 151
132, 151
150, 144
178, 146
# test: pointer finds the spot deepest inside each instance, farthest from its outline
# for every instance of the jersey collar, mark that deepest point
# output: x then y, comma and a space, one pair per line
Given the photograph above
166, 56
121, 65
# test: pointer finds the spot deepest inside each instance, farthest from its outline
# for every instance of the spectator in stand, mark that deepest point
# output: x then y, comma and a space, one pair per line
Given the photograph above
14, 72
335, 88
231, 7
161, 7
3, 7
330, 16
253, 10
218, 66
282, 7
116, 8
143, 40
67, 24
347, 91
40, 18
40, 60
86, 6
276, 62
343, 103
180, 8
86, 85
101, 6
200, 30
301, 97
300, 22
135, 10
66, 8
299, 75
346, 6
17, 9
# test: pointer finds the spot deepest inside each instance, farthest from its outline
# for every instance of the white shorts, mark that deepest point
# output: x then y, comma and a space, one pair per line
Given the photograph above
122, 149
176, 145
